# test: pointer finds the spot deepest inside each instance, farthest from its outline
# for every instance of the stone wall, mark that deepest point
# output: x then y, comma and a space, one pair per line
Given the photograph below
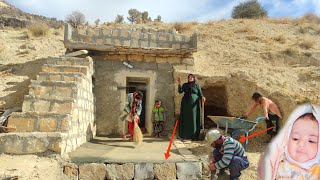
110, 91
58, 112
133, 38
179, 170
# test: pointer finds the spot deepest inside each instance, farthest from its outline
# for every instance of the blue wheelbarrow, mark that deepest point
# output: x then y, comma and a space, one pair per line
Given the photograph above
236, 125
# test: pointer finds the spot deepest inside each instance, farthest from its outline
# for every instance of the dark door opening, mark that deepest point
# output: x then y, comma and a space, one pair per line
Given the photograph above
215, 105
133, 85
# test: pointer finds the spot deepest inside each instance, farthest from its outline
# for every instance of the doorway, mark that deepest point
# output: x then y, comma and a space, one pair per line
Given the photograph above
139, 84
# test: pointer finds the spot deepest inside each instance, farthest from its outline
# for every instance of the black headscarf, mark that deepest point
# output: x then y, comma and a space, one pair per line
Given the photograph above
190, 86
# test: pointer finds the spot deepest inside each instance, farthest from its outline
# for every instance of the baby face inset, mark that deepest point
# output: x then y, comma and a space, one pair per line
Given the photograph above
303, 140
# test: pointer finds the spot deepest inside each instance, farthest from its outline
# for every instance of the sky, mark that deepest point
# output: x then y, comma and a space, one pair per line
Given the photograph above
169, 10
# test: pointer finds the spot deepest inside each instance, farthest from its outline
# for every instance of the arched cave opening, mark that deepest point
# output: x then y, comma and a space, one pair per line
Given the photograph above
216, 103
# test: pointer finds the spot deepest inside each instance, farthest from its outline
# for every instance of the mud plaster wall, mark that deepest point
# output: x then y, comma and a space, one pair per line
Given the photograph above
110, 100
237, 97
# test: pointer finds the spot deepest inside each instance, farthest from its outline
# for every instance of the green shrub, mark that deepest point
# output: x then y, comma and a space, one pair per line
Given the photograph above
249, 10
119, 19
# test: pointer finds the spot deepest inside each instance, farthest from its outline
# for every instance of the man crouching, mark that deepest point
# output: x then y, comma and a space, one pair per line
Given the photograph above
227, 153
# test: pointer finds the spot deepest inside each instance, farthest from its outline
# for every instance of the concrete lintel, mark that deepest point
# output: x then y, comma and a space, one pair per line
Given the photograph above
111, 48
76, 53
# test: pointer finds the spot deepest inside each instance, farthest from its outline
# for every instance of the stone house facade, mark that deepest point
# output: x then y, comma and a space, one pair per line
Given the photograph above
74, 99
129, 59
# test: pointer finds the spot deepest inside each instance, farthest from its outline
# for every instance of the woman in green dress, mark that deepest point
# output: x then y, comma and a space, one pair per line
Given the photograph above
190, 110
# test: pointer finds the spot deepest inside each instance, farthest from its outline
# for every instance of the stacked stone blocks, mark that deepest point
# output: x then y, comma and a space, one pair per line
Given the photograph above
113, 171
58, 112
134, 38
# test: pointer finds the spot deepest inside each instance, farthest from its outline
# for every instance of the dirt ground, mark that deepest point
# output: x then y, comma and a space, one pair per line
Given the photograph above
30, 167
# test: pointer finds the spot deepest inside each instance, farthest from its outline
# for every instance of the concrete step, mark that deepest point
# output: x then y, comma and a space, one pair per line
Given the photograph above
71, 61
35, 142
68, 69
60, 76
40, 122
48, 104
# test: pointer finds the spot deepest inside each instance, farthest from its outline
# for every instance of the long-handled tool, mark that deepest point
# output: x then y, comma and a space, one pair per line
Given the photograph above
202, 133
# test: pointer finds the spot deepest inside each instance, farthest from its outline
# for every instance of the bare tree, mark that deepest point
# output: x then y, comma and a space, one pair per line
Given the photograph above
76, 18
134, 16
119, 19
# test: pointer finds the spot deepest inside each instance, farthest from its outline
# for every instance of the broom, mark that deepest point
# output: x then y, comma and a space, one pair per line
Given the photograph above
137, 134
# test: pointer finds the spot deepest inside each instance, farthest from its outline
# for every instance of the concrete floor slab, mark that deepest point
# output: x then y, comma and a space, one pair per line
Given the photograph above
117, 150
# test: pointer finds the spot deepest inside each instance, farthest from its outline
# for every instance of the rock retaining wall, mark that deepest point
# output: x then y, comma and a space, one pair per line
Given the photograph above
139, 171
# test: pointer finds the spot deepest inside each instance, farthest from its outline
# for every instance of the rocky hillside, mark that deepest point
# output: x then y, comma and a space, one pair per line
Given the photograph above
279, 56
13, 17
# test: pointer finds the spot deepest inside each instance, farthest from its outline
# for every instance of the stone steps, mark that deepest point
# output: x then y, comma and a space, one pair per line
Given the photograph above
64, 68
40, 122
58, 112
33, 142
59, 90
62, 105
60, 76
71, 61
54, 89
38, 104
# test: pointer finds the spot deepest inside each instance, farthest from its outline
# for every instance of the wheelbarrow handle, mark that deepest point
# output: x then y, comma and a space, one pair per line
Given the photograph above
260, 119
